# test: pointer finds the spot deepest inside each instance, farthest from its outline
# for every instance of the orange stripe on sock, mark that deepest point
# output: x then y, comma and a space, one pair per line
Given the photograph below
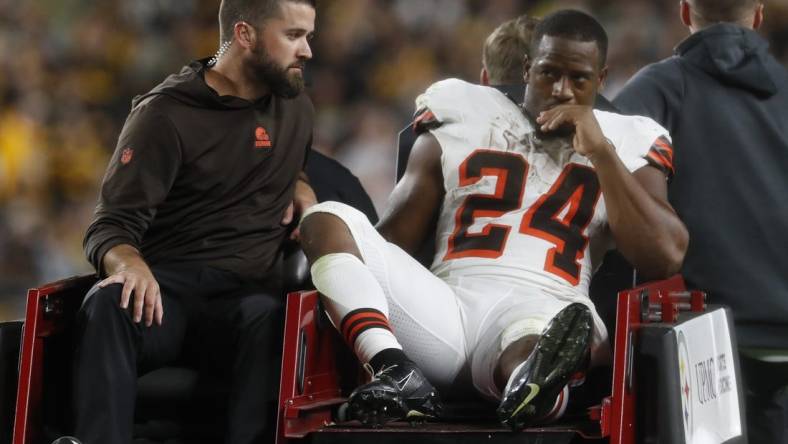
351, 337
349, 320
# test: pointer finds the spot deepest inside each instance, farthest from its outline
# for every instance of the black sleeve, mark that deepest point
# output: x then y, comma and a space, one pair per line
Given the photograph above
138, 178
356, 196
656, 91
331, 181
405, 140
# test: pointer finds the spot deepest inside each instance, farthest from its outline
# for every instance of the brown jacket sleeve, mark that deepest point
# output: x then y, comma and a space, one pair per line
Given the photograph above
138, 178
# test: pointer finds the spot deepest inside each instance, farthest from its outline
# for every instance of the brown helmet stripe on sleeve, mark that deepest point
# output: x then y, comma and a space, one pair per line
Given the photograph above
425, 120
660, 156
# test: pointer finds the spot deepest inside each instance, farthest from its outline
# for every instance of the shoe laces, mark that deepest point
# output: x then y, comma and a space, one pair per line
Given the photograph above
383, 370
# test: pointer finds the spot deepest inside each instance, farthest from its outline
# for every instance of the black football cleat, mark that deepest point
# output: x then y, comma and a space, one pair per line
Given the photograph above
532, 393
396, 392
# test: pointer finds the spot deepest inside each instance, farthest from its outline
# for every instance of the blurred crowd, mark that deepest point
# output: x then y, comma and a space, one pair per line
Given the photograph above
69, 68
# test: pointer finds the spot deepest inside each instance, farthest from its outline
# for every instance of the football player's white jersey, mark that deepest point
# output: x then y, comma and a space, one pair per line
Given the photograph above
519, 209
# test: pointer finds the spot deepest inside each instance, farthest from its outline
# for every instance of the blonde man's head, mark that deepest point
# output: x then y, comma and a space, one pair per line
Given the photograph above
505, 50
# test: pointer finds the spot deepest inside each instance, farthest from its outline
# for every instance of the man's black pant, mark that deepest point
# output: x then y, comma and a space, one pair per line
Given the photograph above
766, 394
209, 315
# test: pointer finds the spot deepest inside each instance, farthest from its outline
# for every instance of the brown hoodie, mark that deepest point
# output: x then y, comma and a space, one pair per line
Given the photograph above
202, 179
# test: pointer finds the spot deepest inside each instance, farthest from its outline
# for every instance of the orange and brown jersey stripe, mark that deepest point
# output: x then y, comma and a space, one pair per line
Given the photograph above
425, 120
660, 156
361, 320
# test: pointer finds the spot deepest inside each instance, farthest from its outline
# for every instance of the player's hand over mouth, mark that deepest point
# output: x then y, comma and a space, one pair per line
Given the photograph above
588, 139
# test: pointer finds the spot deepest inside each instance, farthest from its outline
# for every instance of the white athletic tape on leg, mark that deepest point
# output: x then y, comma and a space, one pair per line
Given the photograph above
347, 285
521, 329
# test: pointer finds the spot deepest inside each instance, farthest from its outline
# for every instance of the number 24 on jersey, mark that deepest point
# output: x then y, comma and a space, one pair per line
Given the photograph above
560, 216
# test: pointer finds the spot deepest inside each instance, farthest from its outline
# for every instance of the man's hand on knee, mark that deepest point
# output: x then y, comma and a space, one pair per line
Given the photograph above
126, 266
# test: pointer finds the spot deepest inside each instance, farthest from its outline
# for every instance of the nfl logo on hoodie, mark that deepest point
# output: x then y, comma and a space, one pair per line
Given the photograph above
126, 155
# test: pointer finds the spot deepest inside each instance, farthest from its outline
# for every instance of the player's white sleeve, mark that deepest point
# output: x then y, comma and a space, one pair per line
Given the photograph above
457, 101
639, 141
443, 100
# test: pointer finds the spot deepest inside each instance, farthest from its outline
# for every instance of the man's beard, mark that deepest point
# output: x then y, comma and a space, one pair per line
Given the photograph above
275, 77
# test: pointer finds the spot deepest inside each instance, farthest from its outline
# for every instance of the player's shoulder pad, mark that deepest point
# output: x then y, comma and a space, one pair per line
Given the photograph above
619, 125
638, 139
457, 101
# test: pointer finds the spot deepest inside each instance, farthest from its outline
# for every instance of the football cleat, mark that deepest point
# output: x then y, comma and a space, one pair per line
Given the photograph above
396, 392
533, 392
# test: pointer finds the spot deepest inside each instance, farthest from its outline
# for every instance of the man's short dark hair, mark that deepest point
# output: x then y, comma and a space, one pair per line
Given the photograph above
250, 11
574, 25
504, 50
717, 11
